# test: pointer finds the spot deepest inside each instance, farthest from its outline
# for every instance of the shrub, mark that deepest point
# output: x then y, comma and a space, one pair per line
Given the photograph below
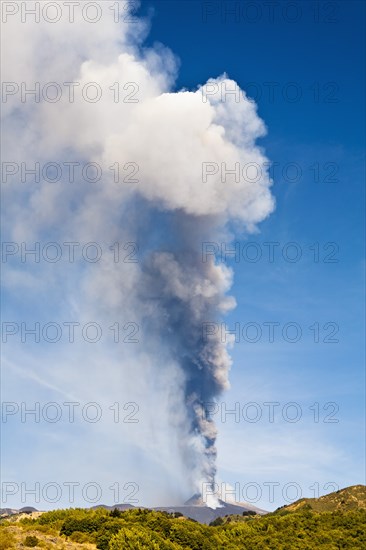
78, 536
104, 534
31, 541
88, 524
7, 539
53, 516
115, 513
136, 538
217, 521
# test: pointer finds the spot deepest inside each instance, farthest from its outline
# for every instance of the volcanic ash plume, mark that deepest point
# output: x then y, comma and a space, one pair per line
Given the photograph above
190, 292
201, 176
188, 288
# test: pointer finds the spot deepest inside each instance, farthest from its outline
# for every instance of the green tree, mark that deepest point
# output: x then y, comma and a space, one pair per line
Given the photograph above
138, 538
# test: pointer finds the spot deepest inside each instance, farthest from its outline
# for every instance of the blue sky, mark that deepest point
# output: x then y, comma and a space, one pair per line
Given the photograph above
317, 147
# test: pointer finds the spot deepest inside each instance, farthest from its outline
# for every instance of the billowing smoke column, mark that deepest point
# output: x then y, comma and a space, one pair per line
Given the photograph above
190, 291
184, 145
192, 140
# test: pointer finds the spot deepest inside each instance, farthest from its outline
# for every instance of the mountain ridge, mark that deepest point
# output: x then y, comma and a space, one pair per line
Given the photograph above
348, 498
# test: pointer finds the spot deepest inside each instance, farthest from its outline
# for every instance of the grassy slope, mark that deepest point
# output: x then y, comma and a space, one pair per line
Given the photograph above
13, 535
350, 498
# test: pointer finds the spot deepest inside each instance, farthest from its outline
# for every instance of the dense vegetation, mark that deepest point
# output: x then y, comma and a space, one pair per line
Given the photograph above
333, 522
145, 529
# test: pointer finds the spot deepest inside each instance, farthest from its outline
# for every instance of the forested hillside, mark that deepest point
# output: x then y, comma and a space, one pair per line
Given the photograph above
302, 526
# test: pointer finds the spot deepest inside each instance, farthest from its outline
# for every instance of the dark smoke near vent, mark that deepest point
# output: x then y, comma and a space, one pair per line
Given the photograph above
188, 290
